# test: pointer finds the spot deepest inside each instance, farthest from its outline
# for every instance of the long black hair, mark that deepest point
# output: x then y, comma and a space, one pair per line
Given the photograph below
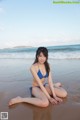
45, 53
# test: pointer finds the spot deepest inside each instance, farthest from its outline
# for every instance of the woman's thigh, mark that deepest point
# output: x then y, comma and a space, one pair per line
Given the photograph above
59, 91
37, 92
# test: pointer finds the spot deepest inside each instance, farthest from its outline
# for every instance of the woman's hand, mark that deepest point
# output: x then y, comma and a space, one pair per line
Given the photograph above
58, 99
53, 101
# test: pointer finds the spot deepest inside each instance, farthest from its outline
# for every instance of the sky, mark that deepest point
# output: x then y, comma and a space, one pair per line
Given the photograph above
38, 23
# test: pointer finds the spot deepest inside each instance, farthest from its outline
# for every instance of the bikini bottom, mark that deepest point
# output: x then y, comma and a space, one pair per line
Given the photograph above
35, 86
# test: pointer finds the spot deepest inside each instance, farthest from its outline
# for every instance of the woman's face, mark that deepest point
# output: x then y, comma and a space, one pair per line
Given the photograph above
41, 58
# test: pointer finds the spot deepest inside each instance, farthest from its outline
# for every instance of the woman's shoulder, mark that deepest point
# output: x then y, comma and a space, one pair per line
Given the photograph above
34, 66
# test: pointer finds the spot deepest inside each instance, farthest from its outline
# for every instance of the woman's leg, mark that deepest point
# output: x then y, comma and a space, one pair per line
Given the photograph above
40, 98
58, 84
59, 91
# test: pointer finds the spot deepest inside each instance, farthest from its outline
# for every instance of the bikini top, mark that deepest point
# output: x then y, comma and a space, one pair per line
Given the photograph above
40, 74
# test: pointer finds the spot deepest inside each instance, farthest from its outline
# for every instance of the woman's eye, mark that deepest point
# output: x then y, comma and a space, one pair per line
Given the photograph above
40, 56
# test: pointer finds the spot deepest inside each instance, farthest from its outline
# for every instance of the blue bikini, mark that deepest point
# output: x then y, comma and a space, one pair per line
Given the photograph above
40, 75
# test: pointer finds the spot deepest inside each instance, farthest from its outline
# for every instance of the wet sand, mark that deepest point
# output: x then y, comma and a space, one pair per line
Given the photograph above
15, 80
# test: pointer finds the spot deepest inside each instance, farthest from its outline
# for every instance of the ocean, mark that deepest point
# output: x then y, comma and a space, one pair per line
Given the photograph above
55, 52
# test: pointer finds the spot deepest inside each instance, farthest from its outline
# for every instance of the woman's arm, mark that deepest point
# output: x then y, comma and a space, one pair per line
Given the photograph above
34, 73
51, 84
52, 88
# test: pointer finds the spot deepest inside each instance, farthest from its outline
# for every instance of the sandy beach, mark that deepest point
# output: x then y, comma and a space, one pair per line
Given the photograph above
15, 80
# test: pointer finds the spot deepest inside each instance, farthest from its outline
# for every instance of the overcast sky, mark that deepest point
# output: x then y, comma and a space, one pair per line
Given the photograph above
38, 22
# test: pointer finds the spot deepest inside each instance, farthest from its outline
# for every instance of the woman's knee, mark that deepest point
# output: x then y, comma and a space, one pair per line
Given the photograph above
64, 94
45, 103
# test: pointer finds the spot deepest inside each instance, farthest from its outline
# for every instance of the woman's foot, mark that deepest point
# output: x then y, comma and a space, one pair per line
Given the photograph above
15, 100
58, 84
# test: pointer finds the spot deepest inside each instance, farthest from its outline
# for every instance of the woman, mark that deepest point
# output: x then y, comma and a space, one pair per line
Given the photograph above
40, 90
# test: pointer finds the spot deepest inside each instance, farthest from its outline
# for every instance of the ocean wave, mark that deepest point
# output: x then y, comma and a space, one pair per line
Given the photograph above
55, 52
65, 48
58, 55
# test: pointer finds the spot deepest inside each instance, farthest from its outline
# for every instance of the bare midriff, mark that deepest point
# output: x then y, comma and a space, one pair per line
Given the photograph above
35, 82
